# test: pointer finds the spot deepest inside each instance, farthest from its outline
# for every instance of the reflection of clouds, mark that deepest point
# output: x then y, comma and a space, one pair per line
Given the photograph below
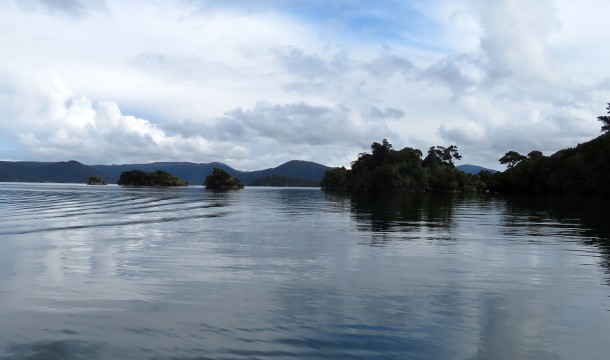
515, 325
285, 272
506, 283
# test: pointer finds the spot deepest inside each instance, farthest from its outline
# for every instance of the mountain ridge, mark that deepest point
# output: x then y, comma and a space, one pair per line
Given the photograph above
75, 172
474, 169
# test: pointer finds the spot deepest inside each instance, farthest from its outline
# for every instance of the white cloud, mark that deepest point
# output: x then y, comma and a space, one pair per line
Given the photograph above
254, 84
58, 126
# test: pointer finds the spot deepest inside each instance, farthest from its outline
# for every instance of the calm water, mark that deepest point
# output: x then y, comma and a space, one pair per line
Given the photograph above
128, 273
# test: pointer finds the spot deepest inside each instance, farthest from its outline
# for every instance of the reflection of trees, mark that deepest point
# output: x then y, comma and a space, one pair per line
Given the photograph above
392, 214
387, 211
388, 215
589, 215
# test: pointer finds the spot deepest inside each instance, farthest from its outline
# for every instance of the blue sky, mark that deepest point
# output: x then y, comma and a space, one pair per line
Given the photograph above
257, 83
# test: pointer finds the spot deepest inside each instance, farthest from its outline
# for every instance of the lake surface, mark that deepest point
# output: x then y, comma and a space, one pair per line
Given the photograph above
132, 273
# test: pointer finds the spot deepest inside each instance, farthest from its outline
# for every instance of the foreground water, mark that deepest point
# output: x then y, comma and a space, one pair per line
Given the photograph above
130, 273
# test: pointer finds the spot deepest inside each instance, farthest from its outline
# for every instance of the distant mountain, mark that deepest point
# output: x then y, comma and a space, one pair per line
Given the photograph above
284, 181
60, 172
195, 173
295, 169
474, 169
75, 172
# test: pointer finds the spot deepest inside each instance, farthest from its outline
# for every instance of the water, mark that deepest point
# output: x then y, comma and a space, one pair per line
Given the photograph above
130, 273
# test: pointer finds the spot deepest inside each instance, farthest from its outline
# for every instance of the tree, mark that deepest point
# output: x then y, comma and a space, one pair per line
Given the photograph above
535, 154
335, 179
439, 155
605, 119
381, 152
451, 153
96, 180
153, 178
387, 169
219, 179
512, 158
408, 155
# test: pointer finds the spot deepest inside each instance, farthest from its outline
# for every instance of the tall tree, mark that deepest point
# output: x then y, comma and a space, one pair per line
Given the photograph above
381, 152
605, 119
440, 155
535, 154
219, 179
511, 159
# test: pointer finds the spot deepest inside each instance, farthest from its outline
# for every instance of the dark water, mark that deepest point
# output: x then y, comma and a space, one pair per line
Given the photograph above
127, 273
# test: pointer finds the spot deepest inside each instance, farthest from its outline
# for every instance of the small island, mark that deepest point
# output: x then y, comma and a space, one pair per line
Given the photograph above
96, 180
152, 178
219, 179
386, 169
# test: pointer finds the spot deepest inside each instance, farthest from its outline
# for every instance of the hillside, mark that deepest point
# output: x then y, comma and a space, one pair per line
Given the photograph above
284, 181
191, 172
474, 169
294, 169
59, 172
75, 172
583, 169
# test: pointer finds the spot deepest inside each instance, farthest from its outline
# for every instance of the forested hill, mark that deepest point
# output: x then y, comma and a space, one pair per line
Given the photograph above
284, 181
75, 172
195, 173
474, 169
58, 172
386, 169
295, 169
583, 169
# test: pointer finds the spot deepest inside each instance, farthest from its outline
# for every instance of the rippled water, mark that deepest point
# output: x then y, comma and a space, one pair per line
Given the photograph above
132, 273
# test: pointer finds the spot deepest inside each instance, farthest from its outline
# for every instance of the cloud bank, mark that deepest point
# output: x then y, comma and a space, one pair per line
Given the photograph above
254, 84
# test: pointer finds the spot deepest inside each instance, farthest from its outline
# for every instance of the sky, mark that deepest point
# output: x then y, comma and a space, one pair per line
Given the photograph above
254, 84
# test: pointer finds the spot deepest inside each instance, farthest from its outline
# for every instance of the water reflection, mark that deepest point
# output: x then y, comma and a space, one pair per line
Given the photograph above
409, 215
290, 273
580, 218
62, 349
516, 269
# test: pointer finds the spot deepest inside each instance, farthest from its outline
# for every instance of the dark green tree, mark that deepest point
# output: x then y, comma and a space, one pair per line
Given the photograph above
511, 159
153, 178
381, 152
387, 170
335, 179
584, 169
440, 155
408, 155
96, 180
605, 119
535, 155
219, 179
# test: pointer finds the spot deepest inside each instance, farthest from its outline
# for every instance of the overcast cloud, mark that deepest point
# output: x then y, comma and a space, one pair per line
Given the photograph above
257, 83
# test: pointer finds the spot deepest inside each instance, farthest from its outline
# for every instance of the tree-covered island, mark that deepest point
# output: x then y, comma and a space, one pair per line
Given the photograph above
96, 180
152, 178
584, 169
387, 169
219, 179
